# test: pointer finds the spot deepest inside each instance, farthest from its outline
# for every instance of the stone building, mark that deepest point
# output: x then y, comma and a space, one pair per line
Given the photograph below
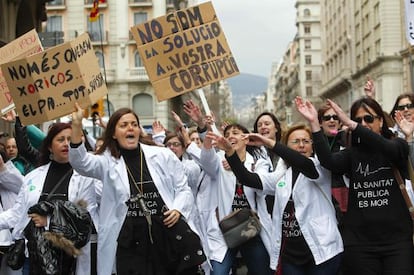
127, 81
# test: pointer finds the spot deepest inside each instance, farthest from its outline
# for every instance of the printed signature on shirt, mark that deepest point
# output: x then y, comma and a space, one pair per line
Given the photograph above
365, 171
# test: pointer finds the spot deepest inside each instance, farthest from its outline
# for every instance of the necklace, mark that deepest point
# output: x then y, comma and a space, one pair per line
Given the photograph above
140, 196
140, 189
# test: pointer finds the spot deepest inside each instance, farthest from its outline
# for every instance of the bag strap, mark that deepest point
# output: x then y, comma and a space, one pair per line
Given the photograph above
200, 182
59, 183
411, 172
401, 184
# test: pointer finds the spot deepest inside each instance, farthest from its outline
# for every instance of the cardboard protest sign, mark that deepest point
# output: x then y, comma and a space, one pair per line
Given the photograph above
46, 85
409, 20
184, 50
25, 45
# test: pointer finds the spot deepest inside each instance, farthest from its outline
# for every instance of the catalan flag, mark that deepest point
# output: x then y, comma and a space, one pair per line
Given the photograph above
94, 15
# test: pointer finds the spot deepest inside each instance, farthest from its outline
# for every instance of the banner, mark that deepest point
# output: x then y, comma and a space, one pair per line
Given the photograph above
25, 45
184, 50
409, 20
45, 86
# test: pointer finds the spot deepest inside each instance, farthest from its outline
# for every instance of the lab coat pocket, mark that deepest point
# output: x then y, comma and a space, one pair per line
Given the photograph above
322, 229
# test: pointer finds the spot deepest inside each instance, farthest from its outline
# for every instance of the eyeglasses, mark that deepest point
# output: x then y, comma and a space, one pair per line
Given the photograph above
298, 141
174, 144
329, 117
402, 107
366, 118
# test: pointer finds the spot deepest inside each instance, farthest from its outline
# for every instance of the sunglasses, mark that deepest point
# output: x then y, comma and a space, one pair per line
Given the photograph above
366, 118
329, 117
402, 107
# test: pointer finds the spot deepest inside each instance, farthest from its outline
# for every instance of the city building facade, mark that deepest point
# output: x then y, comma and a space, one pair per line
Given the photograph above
116, 51
338, 46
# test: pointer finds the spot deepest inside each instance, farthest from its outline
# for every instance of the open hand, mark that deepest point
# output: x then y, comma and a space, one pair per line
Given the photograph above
407, 127
171, 217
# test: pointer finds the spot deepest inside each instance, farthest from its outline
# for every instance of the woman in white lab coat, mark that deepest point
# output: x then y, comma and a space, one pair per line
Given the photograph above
305, 237
39, 189
230, 196
145, 201
10, 182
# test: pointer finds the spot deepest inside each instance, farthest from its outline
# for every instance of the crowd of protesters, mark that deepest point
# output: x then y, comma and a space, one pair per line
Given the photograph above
325, 191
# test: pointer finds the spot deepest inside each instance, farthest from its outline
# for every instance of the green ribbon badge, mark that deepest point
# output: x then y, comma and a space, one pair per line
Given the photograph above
281, 184
32, 187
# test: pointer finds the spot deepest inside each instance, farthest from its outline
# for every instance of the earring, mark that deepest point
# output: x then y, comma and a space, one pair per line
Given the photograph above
51, 156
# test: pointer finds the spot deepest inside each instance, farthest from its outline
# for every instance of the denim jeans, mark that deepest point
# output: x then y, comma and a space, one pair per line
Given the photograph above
26, 267
330, 267
254, 255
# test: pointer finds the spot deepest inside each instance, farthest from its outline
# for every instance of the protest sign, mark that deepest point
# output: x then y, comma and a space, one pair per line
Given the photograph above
25, 45
184, 50
409, 20
45, 86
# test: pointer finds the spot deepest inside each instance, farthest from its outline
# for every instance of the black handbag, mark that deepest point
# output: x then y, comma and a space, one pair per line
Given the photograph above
15, 254
239, 227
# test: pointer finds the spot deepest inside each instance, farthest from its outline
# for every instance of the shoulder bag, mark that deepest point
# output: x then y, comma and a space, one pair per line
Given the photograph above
401, 184
15, 255
239, 227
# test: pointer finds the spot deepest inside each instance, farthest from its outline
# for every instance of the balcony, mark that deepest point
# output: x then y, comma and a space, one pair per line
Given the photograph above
110, 74
89, 4
56, 5
140, 3
97, 37
138, 74
51, 39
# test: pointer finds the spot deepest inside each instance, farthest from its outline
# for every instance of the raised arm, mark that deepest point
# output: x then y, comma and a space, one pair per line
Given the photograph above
244, 176
24, 146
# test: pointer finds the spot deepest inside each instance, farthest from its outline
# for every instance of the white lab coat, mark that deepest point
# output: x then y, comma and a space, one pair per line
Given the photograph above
225, 187
314, 212
167, 173
80, 188
11, 181
205, 194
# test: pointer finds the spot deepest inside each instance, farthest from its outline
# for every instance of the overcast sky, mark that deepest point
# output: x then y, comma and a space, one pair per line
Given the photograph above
258, 31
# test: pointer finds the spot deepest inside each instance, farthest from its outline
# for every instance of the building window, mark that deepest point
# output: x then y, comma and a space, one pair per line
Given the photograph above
55, 3
100, 57
308, 44
307, 28
308, 59
306, 12
111, 108
308, 75
138, 60
309, 91
54, 23
96, 29
376, 14
143, 105
140, 17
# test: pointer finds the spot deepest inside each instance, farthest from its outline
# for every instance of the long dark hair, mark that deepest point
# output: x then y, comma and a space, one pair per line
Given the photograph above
410, 96
44, 152
108, 140
366, 102
275, 121
252, 150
